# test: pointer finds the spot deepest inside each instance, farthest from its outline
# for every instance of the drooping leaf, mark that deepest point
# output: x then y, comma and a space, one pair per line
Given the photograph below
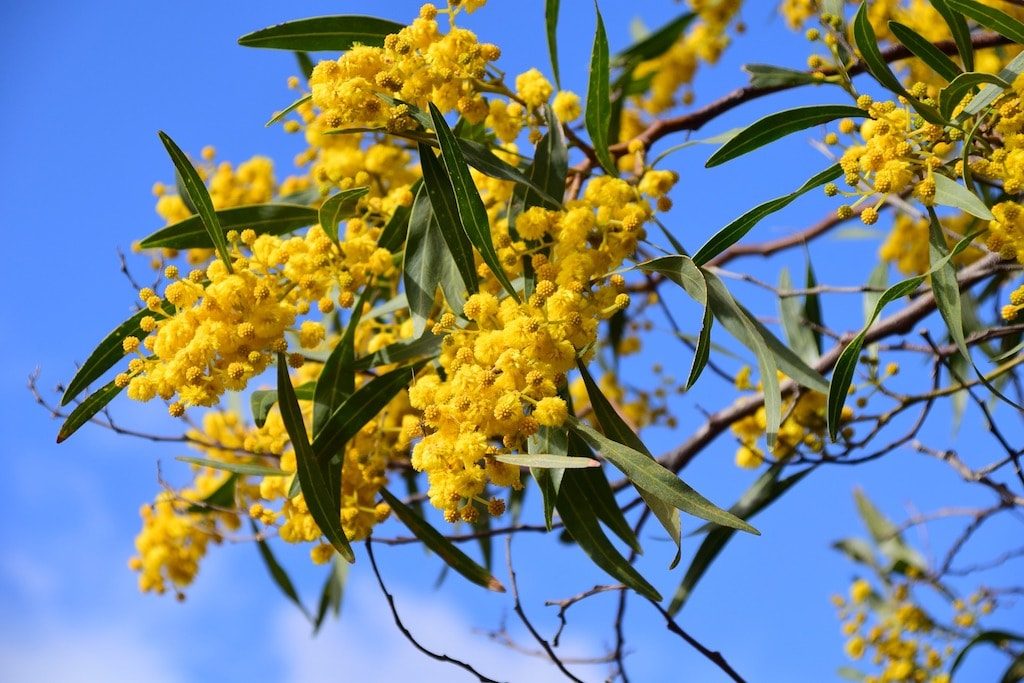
551, 26
323, 503
735, 231
264, 219
235, 467
651, 476
277, 572
262, 400
581, 523
453, 557
442, 201
598, 115
338, 207
614, 427
471, 211
951, 193
798, 333
778, 125
337, 379
332, 593
766, 490
199, 196
315, 34
88, 408
812, 305
287, 110
306, 65
994, 637
923, 48
423, 267
549, 479
599, 494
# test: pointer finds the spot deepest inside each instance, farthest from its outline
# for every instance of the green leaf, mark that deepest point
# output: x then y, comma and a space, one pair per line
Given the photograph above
598, 493
358, 409
768, 76
923, 49
598, 114
338, 208
315, 34
945, 287
263, 400
778, 125
550, 164
306, 65
1015, 672
290, 108
324, 505
85, 410
337, 379
223, 497
581, 523
846, 365
989, 17
766, 490
453, 557
735, 231
648, 474
426, 346
740, 324
798, 333
471, 211
715, 140
106, 354
950, 193
960, 31
199, 196
277, 572
551, 25
990, 93
812, 305
394, 232
332, 593
264, 219
442, 200
867, 44
235, 467
858, 550
547, 461
656, 43
959, 87
615, 427
549, 479
423, 268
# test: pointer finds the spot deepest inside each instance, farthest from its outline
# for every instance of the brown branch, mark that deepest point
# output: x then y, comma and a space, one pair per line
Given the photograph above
405, 631
518, 608
898, 323
564, 605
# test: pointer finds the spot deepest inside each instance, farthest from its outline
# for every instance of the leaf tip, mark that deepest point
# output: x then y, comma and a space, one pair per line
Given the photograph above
495, 585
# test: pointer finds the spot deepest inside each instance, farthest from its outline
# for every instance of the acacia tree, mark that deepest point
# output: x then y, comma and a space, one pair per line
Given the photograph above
443, 293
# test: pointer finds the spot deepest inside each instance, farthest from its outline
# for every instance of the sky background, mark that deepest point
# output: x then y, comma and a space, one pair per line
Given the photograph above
85, 88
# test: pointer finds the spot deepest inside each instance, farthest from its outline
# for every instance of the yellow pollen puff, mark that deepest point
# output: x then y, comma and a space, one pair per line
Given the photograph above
496, 507
122, 380
311, 334
130, 344
148, 323
296, 360
551, 412
176, 409
208, 152
171, 272
533, 88
566, 106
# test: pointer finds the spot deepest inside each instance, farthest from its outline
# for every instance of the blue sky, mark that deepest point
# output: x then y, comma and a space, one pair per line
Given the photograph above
85, 89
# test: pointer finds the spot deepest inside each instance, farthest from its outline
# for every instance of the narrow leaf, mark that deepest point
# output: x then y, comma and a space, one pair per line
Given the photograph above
798, 333
989, 17
923, 48
332, 593
85, 410
423, 267
547, 461
277, 572
951, 193
264, 219
656, 43
337, 379
287, 110
200, 197
332, 34
960, 31
598, 115
867, 44
735, 231
551, 25
768, 76
445, 207
954, 93
549, 479
453, 557
990, 93
471, 211
324, 505
778, 125
235, 467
